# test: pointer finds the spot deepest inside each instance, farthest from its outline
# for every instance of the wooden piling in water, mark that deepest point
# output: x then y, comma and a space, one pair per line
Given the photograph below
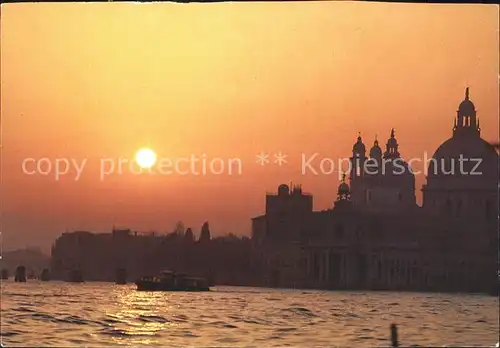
20, 274
45, 275
394, 336
121, 276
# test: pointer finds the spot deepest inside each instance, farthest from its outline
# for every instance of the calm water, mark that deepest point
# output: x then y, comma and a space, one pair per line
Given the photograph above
62, 314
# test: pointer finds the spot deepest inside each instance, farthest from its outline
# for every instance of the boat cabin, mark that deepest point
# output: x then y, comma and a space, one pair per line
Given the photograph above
172, 281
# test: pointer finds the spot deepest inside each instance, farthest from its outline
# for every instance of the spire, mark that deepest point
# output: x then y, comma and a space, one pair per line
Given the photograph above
359, 136
467, 93
392, 133
205, 233
189, 236
376, 141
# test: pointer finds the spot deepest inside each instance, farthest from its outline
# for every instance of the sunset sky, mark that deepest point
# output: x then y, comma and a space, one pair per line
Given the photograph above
229, 80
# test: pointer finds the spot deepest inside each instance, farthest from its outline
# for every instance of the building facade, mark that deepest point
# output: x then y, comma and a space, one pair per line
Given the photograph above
376, 236
102, 256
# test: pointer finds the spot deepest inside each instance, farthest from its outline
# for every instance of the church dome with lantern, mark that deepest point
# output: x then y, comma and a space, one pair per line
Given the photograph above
376, 151
465, 158
359, 148
343, 189
463, 173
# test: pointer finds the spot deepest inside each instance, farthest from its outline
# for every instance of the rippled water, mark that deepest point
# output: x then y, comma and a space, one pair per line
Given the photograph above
62, 314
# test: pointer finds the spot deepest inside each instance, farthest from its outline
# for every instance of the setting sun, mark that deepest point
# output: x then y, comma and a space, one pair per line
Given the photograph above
145, 158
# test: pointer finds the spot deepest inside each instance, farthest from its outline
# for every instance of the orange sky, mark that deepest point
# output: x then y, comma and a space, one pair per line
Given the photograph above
229, 80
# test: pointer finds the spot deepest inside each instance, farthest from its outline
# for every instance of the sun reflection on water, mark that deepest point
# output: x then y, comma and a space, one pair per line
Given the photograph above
98, 314
141, 314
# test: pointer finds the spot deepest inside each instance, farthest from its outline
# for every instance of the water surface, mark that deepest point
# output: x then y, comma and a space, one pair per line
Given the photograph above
64, 314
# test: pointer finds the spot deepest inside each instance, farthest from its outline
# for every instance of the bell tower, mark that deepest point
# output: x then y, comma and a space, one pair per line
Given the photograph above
357, 171
357, 160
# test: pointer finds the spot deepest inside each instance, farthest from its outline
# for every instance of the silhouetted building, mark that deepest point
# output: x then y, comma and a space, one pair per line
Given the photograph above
111, 256
189, 236
205, 233
463, 179
376, 236
31, 258
287, 212
382, 181
121, 276
76, 276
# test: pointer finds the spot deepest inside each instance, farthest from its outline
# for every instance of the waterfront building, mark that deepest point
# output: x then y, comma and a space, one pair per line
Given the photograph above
375, 236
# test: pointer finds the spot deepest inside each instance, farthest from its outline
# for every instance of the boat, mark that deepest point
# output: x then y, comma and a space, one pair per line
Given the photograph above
45, 276
172, 281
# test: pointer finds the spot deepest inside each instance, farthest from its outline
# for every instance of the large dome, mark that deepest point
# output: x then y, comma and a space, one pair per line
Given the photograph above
479, 162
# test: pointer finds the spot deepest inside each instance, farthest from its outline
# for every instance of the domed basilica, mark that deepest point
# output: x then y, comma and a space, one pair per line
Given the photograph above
462, 178
376, 236
383, 181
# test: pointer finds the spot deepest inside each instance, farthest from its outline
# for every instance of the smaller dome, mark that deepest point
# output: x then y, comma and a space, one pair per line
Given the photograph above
392, 142
343, 189
359, 147
283, 190
375, 151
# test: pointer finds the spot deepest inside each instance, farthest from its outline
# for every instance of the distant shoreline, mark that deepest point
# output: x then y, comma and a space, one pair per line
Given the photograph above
10, 280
